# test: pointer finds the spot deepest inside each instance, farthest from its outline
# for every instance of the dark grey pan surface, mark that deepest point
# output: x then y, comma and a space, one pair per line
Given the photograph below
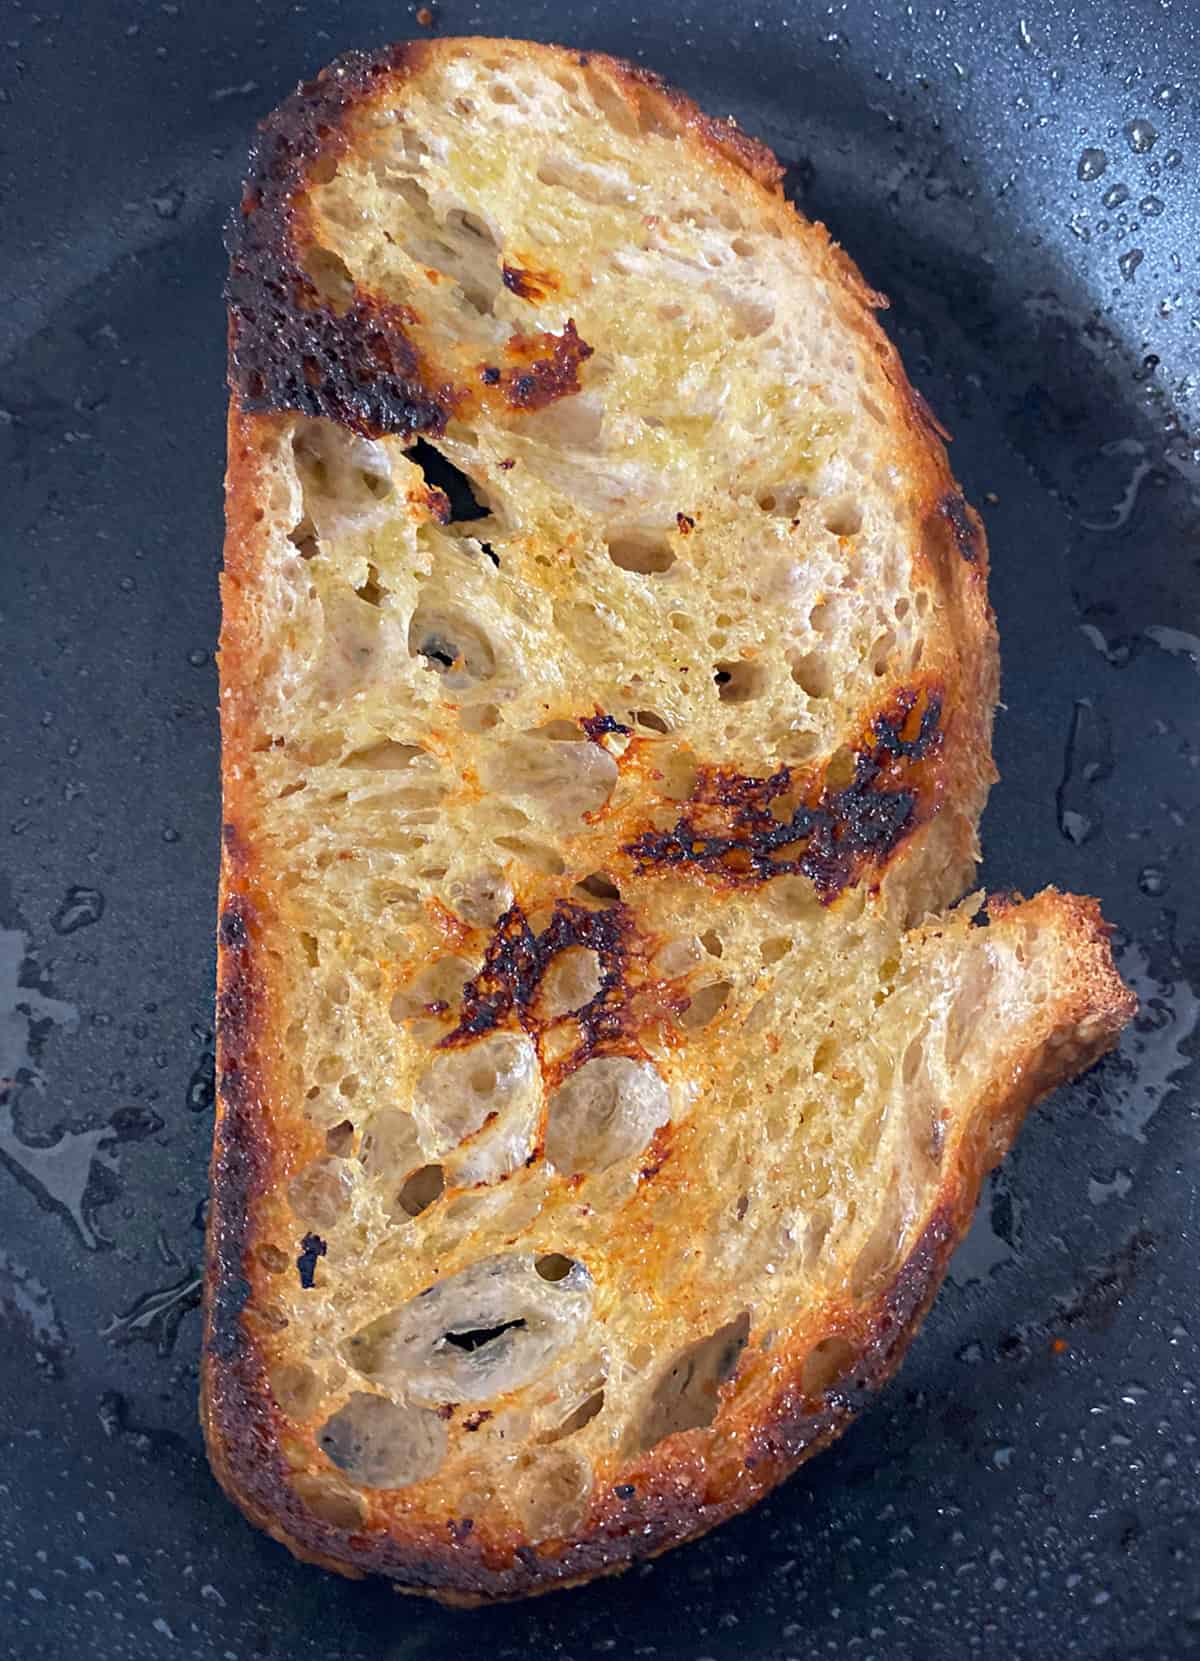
1026, 186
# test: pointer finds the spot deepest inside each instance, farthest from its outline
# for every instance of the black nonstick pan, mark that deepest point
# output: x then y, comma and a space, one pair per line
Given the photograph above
1025, 185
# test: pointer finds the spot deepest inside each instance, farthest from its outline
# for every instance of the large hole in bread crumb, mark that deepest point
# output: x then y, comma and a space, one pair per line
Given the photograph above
649, 556
572, 980
330, 276
386, 756
296, 1388
600, 886
420, 1189
812, 672
827, 1365
492, 1327
320, 1195
705, 1004
738, 680
552, 1495
685, 1396
564, 777
461, 1089
606, 1111
536, 854
604, 186
842, 516
441, 472
381, 1444
451, 645
329, 1501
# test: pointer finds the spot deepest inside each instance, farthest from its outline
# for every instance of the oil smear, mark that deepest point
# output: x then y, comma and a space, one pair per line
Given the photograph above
1135, 1082
59, 1174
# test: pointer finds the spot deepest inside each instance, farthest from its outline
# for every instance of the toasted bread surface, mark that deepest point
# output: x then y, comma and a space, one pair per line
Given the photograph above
607, 683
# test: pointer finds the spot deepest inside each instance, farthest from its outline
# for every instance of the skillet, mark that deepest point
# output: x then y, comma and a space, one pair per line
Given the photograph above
1026, 187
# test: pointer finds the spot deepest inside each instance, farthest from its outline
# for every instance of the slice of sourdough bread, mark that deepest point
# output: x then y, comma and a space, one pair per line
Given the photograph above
607, 683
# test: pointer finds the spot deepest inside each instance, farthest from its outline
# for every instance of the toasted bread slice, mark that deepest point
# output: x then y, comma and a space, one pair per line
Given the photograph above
607, 683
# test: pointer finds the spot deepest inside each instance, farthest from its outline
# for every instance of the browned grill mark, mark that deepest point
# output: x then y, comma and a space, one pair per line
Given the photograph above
540, 368
744, 830
628, 1001
953, 509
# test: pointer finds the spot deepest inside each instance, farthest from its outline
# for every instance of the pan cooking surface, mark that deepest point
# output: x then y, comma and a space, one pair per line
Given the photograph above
1027, 190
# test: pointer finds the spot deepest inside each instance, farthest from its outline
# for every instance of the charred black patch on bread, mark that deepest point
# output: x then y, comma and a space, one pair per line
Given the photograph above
288, 348
744, 830
963, 526
311, 1248
596, 726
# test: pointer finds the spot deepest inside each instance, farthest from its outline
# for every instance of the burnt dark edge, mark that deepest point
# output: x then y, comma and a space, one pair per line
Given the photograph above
288, 350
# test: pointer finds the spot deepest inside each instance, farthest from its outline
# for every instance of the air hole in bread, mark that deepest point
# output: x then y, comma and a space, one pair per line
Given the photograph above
588, 1409
339, 1139
437, 983
390, 1144
564, 779
343, 478
420, 1189
552, 1495
320, 1194
330, 276
296, 1388
739, 681
812, 672
827, 1365
676, 957
600, 886
554, 1265
572, 979
774, 948
329, 1501
876, 1260
842, 516
480, 897
381, 1444
685, 1396
901, 608
712, 943
977, 974
604, 1112
501, 93
651, 720
536, 854
274, 1261
303, 538
491, 1328
450, 645
705, 1004
679, 775
649, 556
386, 756
841, 768
372, 592
461, 1089
478, 717
883, 653
441, 472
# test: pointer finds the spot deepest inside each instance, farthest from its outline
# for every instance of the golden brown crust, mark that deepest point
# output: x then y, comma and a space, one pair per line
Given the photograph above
361, 367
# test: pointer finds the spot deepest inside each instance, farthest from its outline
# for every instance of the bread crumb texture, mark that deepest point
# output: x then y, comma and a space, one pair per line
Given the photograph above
607, 681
